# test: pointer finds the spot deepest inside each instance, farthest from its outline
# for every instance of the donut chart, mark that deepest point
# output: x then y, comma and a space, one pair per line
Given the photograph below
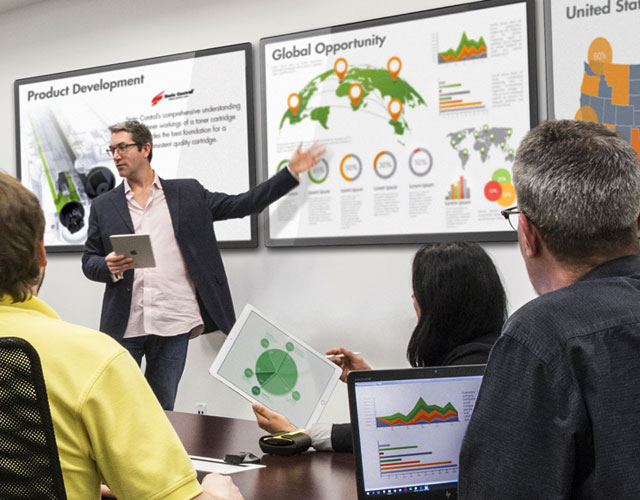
385, 164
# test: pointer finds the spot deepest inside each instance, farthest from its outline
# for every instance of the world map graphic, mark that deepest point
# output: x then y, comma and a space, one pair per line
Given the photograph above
377, 85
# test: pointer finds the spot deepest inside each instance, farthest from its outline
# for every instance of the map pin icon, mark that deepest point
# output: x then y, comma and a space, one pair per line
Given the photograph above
355, 93
340, 67
395, 108
394, 65
293, 101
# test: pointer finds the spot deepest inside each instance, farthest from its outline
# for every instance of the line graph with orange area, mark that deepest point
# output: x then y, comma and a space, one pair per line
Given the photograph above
420, 413
467, 48
422, 416
466, 53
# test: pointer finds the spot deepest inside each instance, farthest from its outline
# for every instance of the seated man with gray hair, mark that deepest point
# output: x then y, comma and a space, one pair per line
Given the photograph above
558, 413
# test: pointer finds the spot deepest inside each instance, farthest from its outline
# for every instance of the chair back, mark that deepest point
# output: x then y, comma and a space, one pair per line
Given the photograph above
29, 462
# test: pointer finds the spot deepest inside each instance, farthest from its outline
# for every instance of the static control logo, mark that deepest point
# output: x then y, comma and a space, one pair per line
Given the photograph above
157, 98
172, 96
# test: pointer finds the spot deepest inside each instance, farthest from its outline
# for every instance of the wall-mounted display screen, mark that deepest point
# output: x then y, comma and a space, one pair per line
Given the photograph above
593, 65
198, 106
421, 115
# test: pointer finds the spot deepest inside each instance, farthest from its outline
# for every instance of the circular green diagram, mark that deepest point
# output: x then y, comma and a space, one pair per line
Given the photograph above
276, 371
319, 173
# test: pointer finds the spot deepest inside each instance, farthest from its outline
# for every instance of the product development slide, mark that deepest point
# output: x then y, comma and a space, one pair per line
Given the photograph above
594, 63
196, 105
421, 118
411, 432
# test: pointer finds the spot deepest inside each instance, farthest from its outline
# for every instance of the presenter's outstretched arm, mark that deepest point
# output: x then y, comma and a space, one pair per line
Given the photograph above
348, 361
301, 161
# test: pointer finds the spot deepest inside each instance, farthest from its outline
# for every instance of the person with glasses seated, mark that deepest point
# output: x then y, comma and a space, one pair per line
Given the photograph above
461, 306
154, 312
557, 412
513, 221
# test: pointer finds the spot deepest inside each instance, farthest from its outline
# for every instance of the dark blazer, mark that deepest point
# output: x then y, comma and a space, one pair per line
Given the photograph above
193, 211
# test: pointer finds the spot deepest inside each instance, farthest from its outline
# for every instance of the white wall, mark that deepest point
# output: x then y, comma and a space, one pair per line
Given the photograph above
358, 297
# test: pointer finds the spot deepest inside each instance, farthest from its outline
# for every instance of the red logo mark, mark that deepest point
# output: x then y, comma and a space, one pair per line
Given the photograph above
157, 98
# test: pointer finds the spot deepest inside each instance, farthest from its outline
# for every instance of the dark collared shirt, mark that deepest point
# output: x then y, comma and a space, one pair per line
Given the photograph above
558, 414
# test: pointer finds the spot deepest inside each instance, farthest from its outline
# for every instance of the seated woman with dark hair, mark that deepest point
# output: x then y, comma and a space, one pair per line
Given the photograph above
461, 307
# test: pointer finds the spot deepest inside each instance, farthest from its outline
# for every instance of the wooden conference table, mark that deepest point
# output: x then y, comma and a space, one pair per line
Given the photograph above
309, 476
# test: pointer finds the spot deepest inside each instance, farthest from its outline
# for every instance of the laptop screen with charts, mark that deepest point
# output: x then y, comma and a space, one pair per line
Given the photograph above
408, 427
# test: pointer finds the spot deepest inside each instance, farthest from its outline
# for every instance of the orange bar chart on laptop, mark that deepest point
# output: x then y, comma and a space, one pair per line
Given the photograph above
408, 458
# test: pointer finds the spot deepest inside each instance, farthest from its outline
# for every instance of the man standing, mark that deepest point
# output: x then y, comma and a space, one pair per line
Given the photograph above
557, 415
108, 425
153, 312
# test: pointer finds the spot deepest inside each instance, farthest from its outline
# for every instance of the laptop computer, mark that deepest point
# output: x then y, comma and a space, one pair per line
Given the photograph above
408, 426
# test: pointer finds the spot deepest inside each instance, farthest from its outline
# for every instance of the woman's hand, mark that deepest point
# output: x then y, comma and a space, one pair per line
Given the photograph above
271, 421
347, 360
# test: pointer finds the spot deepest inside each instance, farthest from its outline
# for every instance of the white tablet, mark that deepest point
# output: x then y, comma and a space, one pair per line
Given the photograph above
265, 364
136, 246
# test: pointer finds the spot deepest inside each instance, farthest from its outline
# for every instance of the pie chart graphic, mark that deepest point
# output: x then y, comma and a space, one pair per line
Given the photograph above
276, 372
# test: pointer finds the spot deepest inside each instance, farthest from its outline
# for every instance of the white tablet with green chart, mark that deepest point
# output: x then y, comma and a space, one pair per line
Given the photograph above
265, 364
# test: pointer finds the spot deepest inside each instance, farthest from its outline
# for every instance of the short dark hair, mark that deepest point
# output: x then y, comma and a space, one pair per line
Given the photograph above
461, 298
140, 133
579, 184
22, 228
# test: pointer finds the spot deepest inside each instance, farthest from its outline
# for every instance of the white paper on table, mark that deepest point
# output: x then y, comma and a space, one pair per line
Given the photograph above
206, 464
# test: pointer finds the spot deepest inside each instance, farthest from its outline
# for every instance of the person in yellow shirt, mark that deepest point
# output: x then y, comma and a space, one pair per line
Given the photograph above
109, 426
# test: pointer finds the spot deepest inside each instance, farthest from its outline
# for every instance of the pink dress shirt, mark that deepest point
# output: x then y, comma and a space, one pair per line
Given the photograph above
163, 298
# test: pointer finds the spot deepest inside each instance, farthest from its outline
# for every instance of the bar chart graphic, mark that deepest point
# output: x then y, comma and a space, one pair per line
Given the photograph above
422, 413
454, 96
408, 458
459, 190
467, 49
